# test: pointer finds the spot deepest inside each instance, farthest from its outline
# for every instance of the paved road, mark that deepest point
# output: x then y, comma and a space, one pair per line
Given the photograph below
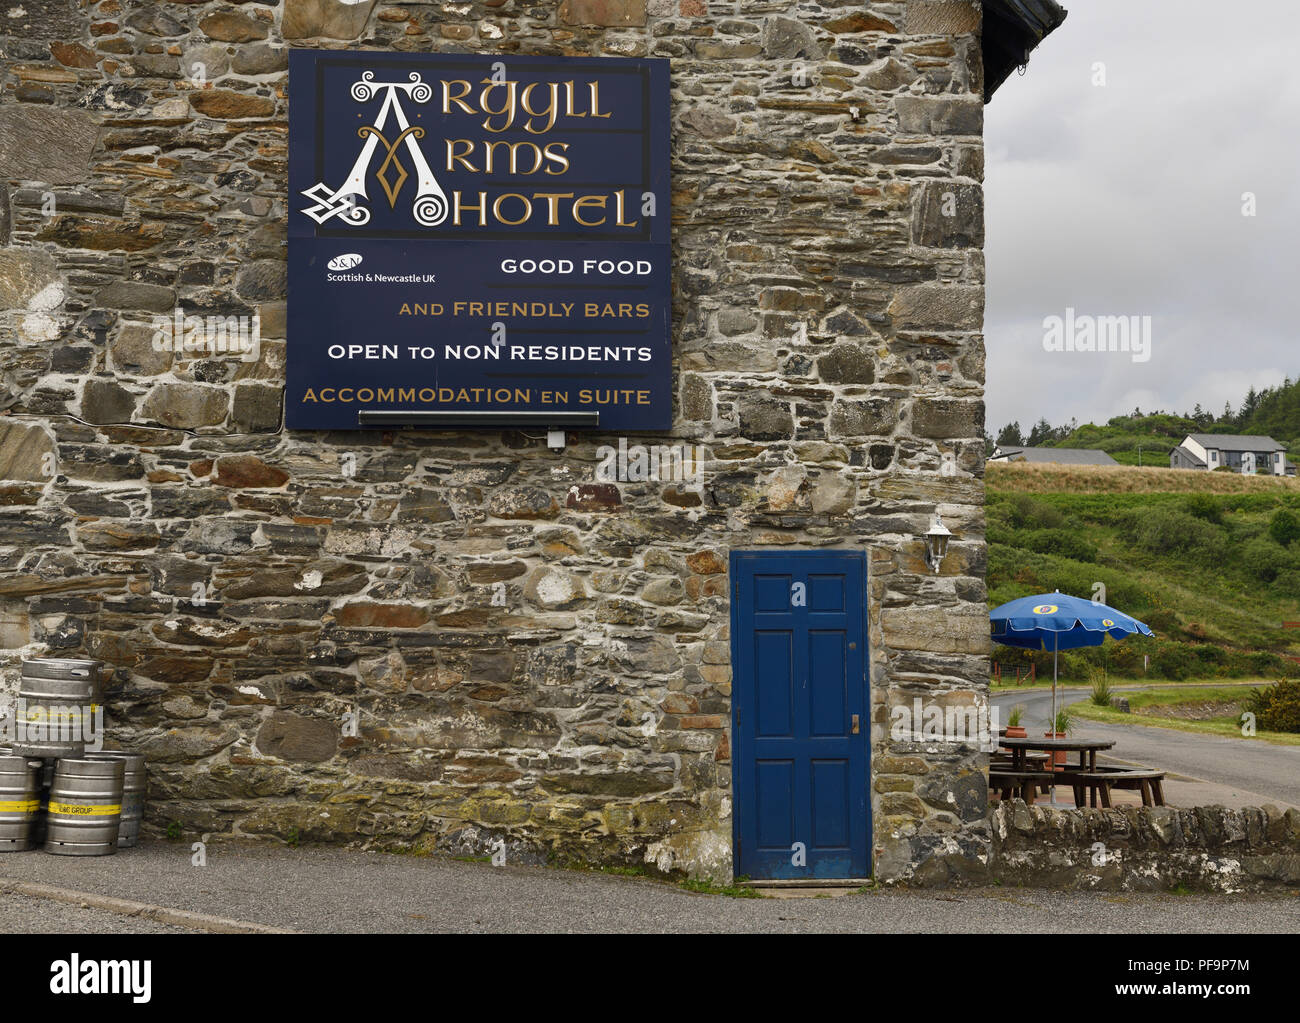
1259, 772
336, 890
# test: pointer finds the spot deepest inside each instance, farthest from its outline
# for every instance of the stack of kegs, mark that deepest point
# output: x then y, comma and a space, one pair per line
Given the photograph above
55, 792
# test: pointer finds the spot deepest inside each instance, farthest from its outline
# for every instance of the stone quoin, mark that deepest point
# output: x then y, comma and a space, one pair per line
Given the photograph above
466, 640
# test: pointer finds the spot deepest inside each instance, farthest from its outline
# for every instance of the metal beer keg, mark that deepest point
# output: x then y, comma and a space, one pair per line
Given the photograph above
85, 807
57, 698
20, 800
133, 792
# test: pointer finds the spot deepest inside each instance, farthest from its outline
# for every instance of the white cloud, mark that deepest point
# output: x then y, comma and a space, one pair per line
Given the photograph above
1126, 200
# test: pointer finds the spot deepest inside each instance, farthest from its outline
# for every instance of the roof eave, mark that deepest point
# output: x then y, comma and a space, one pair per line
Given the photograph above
1012, 30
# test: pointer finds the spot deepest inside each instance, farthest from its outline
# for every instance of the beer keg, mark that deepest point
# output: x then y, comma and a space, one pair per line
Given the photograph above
133, 791
85, 807
45, 773
57, 699
20, 800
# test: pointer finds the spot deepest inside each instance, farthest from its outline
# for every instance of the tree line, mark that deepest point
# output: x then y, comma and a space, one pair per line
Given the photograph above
1274, 411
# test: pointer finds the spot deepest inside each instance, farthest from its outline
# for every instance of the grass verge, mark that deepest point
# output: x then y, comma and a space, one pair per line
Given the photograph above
1118, 684
1165, 696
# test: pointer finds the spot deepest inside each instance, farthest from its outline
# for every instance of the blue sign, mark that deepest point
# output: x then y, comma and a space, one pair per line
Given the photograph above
478, 239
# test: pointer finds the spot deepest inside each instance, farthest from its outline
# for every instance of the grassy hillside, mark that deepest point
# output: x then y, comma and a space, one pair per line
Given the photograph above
1133, 440
1211, 561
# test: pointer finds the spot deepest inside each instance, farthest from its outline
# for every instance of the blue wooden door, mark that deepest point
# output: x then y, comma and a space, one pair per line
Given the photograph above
799, 714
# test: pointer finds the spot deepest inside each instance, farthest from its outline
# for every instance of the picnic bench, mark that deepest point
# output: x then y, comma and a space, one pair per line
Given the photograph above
1023, 783
1025, 774
1095, 785
1103, 779
1030, 759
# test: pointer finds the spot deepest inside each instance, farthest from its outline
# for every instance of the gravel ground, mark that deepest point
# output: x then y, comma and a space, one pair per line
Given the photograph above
324, 889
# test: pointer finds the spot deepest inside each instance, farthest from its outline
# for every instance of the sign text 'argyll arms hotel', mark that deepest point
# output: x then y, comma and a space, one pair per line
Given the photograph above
480, 237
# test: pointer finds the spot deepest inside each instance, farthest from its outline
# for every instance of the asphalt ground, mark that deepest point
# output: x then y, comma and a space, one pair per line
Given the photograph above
24, 915
332, 890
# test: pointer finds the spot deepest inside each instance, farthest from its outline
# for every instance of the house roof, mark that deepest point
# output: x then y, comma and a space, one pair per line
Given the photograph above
1012, 28
1191, 456
1059, 456
1234, 442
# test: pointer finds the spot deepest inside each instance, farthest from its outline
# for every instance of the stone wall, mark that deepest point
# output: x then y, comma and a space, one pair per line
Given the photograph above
251, 588
1151, 849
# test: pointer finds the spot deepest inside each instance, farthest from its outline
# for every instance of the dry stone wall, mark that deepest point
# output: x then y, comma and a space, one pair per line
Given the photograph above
441, 639
1147, 849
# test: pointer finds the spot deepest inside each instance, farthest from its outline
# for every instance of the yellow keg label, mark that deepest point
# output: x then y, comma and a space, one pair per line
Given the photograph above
65, 712
78, 810
18, 805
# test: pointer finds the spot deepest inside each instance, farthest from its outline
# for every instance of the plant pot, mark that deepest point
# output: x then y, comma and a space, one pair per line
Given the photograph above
1056, 761
1016, 732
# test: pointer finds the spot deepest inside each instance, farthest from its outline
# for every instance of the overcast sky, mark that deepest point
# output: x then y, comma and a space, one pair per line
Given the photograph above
1126, 199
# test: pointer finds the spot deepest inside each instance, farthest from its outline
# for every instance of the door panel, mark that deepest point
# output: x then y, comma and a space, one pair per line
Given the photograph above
775, 796
799, 664
830, 799
827, 683
775, 692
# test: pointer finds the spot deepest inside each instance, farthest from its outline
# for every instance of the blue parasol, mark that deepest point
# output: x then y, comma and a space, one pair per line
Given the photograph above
1065, 622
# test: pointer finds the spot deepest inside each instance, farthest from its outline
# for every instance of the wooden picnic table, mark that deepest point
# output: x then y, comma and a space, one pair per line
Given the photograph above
1087, 777
1086, 748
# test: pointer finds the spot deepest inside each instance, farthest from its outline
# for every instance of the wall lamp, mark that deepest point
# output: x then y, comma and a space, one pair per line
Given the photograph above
936, 543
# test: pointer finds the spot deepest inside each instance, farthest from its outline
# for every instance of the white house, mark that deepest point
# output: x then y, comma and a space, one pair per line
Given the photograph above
1210, 451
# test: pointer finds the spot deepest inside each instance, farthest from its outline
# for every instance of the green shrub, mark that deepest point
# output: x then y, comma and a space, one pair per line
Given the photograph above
1288, 582
1060, 542
1261, 560
1170, 531
1174, 662
1026, 513
1261, 662
1285, 527
1204, 506
1125, 658
1074, 665
1277, 708
1246, 529
1208, 653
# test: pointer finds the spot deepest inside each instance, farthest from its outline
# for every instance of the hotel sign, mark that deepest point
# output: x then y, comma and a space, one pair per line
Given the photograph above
480, 238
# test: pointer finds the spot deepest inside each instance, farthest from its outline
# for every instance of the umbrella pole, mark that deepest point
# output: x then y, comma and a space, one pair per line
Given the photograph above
1051, 725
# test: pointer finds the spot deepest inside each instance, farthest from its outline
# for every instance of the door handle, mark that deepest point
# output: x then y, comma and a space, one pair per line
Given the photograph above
855, 725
